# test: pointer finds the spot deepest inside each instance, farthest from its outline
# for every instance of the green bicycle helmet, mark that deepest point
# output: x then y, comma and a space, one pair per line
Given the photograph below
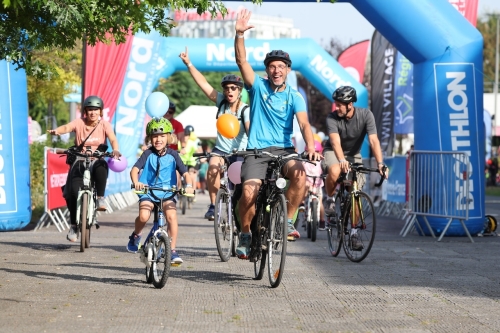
159, 126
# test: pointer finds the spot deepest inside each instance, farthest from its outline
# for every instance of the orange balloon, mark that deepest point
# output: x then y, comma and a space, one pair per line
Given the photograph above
228, 126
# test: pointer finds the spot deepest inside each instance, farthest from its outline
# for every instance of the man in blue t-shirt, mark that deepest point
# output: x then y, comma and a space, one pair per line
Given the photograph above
273, 106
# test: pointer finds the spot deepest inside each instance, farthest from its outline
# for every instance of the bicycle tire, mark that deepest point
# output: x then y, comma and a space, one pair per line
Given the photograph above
83, 220
308, 227
334, 230
223, 228
149, 270
260, 265
314, 219
161, 265
87, 237
278, 231
183, 203
366, 227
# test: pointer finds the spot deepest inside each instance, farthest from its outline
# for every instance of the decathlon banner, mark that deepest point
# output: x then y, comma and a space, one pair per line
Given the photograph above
403, 95
57, 173
105, 67
353, 59
15, 191
382, 96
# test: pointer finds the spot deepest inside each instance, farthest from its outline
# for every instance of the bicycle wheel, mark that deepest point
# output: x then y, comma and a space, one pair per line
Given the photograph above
358, 239
183, 203
149, 268
334, 230
83, 220
223, 227
276, 253
314, 219
258, 242
161, 265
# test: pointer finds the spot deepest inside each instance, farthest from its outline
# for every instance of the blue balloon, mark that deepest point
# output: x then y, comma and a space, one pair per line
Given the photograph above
157, 104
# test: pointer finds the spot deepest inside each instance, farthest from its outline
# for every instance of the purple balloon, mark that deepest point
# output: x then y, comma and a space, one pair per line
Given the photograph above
117, 165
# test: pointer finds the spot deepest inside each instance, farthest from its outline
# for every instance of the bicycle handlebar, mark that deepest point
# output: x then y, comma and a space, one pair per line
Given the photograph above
95, 153
361, 168
172, 189
304, 157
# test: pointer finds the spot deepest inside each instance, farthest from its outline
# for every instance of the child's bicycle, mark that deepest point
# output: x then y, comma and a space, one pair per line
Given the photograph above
155, 251
311, 216
353, 223
226, 233
86, 213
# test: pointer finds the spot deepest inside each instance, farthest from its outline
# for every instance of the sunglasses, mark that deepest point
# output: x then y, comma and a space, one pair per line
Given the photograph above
233, 88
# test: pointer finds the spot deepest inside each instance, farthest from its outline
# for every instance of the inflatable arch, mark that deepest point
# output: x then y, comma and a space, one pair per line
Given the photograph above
153, 57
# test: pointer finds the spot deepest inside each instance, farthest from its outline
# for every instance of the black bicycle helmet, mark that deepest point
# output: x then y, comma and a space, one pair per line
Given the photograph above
278, 55
171, 105
345, 94
93, 101
231, 78
188, 130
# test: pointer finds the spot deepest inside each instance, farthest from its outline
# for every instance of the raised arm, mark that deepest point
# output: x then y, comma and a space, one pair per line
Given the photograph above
60, 130
239, 47
200, 80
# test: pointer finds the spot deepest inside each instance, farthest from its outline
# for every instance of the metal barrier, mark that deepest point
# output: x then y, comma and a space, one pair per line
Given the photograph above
439, 187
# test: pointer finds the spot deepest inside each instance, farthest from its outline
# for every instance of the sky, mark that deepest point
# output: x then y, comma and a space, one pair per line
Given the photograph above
322, 21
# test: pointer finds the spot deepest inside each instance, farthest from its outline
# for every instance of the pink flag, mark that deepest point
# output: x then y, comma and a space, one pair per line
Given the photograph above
468, 8
105, 70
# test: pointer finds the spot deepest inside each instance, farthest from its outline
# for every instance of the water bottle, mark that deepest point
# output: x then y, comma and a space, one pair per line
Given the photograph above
161, 219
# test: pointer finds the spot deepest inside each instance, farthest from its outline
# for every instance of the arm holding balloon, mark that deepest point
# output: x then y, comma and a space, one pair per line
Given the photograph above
114, 144
200, 80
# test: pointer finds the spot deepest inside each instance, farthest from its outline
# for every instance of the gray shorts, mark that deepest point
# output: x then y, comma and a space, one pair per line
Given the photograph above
256, 168
330, 158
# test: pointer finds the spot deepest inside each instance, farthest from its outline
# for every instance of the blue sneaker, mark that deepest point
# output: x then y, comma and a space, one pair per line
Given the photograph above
210, 214
134, 243
243, 248
175, 259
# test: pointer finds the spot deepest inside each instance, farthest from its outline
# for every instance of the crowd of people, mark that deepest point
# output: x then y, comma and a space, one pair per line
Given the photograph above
266, 125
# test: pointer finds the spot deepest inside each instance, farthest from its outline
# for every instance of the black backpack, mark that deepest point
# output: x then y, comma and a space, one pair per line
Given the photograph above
222, 108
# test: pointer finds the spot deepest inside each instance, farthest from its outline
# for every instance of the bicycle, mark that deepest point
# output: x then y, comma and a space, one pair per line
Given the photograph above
155, 252
226, 233
311, 215
185, 202
269, 227
354, 215
87, 196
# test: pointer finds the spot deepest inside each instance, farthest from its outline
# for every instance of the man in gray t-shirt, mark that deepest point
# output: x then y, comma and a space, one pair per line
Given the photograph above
347, 128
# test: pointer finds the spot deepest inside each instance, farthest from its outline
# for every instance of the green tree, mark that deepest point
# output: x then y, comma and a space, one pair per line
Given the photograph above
487, 25
38, 25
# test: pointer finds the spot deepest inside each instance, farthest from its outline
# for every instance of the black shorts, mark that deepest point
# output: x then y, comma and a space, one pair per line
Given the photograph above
256, 167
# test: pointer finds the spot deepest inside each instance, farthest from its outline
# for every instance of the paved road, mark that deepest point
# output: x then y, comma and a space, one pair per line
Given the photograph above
411, 284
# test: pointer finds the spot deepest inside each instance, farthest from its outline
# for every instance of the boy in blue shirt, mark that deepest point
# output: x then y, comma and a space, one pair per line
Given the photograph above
159, 164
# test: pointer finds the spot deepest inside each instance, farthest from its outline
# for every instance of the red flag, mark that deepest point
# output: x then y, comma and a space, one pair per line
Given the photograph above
353, 59
468, 8
57, 172
105, 70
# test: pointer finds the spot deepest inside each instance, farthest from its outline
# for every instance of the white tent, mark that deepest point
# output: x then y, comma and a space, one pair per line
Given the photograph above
202, 118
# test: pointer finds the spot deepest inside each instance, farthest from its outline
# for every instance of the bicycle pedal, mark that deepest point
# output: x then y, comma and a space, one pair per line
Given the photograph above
175, 265
97, 226
291, 238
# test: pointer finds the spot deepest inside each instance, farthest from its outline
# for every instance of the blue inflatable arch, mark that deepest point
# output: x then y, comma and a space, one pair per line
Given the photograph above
444, 47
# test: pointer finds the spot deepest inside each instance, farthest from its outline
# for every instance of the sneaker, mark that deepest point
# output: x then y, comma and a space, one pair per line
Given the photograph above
175, 259
72, 235
330, 207
133, 243
210, 214
321, 225
101, 205
356, 243
243, 248
292, 232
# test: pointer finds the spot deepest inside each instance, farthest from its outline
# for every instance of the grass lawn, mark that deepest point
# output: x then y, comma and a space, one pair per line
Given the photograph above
493, 190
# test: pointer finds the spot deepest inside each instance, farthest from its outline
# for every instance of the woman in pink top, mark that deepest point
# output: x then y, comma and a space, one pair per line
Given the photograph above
317, 184
99, 130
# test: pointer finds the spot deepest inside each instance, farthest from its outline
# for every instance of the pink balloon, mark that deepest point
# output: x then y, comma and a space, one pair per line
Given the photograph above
117, 165
234, 172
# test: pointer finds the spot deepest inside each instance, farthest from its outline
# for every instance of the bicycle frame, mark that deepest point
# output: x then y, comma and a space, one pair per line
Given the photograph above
87, 188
